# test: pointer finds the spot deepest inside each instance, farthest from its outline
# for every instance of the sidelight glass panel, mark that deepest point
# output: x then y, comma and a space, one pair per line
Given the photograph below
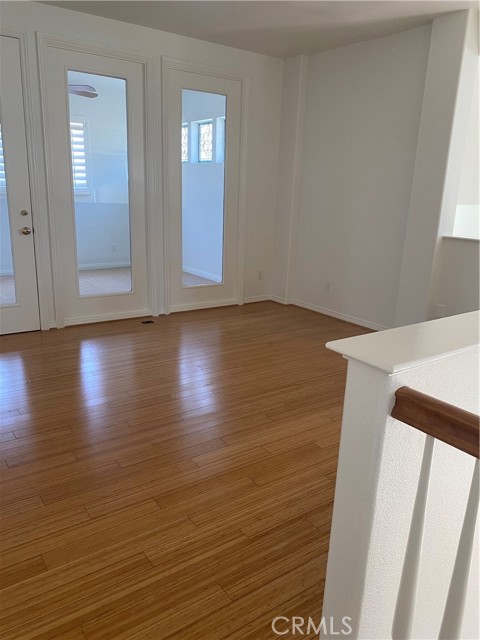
7, 276
203, 187
99, 160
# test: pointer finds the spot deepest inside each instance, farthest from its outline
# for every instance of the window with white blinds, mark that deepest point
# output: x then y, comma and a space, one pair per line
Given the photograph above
205, 141
184, 142
79, 155
3, 182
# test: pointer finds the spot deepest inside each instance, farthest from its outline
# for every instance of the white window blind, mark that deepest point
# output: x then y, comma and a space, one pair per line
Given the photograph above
184, 142
3, 182
205, 141
79, 159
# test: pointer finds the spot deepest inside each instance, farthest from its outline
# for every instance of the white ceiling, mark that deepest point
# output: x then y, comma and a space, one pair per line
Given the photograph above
281, 28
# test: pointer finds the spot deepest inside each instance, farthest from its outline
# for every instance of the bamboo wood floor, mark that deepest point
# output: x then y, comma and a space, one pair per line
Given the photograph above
169, 480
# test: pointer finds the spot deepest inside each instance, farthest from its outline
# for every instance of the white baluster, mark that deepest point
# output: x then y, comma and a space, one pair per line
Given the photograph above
453, 614
405, 607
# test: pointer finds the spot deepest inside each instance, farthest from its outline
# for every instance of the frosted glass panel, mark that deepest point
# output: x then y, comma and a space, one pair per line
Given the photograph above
203, 180
7, 276
99, 160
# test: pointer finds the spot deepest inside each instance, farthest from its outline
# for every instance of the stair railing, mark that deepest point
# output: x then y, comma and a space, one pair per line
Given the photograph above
460, 429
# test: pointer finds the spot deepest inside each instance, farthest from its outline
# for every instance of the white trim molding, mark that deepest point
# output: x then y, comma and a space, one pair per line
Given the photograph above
140, 313
340, 316
261, 298
203, 305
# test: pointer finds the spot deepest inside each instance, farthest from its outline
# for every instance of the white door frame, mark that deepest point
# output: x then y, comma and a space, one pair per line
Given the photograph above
152, 155
35, 159
23, 314
216, 72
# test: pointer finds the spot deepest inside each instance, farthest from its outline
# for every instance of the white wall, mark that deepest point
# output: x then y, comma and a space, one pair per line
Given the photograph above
467, 215
363, 107
202, 193
449, 86
458, 282
468, 191
295, 72
263, 107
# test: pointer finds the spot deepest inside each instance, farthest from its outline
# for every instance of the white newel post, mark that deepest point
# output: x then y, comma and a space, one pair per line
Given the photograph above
378, 478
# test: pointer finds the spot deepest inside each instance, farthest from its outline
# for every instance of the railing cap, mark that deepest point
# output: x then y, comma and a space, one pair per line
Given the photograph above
396, 350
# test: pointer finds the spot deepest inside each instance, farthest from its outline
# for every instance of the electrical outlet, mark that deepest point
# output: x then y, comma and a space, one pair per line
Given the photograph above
328, 287
114, 248
260, 275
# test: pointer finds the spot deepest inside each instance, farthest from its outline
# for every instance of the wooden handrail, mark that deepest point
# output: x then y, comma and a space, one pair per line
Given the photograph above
455, 426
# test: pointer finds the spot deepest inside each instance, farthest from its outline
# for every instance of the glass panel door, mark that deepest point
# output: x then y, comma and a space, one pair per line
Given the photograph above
203, 187
202, 161
95, 130
99, 159
18, 277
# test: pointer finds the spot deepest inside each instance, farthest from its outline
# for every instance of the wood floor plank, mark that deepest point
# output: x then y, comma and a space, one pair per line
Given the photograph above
22, 571
60, 610
306, 604
20, 506
60, 541
172, 480
87, 577
182, 607
234, 616
71, 634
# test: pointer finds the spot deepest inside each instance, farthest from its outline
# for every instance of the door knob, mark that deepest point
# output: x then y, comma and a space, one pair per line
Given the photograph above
26, 231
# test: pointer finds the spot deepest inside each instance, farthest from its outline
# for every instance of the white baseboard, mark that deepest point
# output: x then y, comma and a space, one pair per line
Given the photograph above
103, 265
202, 305
262, 298
339, 316
140, 313
105, 317
202, 274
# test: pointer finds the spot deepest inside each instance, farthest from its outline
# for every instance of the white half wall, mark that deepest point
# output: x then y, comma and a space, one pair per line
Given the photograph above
378, 473
363, 106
